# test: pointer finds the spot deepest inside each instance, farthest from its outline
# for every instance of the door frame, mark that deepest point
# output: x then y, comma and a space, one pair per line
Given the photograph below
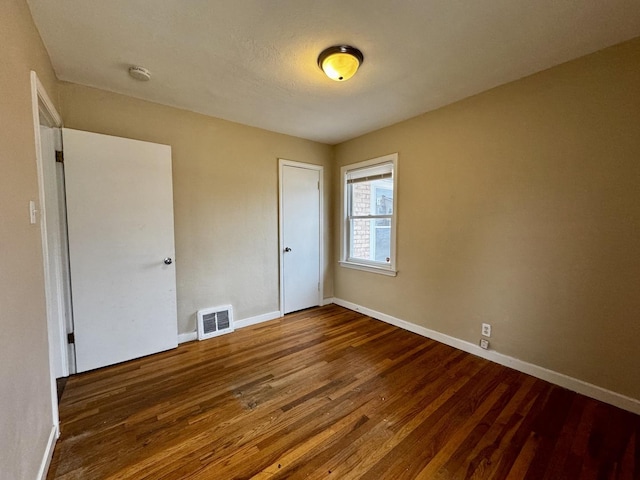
43, 109
320, 169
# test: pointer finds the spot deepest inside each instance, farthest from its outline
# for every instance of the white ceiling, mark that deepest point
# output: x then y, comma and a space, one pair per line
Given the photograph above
254, 61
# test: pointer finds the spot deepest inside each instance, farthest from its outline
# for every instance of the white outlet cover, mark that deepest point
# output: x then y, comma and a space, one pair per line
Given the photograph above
486, 330
484, 344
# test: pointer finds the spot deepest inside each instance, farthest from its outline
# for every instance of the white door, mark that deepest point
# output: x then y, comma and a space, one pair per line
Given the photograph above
55, 258
300, 217
121, 247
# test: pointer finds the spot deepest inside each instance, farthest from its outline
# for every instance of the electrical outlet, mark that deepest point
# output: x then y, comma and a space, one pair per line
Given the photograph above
486, 330
484, 344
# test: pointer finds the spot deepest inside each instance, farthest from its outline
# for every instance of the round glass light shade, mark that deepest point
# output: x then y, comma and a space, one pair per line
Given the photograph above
340, 63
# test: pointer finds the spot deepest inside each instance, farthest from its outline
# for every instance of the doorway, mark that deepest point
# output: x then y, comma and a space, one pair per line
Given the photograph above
300, 236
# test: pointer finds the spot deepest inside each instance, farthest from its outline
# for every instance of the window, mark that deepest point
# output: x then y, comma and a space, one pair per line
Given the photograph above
369, 223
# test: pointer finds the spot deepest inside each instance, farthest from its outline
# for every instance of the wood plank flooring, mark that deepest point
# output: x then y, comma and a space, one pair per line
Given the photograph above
330, 393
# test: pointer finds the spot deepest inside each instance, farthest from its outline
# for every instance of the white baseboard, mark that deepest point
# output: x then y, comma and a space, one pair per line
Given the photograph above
327, 301
187, 337
48, 454
265, 317
570, 383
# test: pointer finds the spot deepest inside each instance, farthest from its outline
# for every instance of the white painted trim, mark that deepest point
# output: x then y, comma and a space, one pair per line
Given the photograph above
52, 115
265, 317
320, 169
368, 268
187, 337
48, 454
40, 96
327, 301
245, 322
571, 383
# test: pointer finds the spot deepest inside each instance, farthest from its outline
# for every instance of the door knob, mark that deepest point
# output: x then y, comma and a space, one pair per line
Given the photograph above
168, 261
287, 249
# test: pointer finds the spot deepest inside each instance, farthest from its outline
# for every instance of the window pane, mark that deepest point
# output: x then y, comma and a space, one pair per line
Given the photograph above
383, 197
371, 198
371, 239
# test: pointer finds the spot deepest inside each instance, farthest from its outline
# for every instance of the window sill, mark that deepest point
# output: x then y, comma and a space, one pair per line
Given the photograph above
369, 268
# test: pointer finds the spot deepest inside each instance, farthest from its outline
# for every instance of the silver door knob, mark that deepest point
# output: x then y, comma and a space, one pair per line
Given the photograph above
168, 261
287, 249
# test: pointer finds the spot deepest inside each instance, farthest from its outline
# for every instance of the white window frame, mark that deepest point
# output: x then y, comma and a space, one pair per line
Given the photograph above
357, 263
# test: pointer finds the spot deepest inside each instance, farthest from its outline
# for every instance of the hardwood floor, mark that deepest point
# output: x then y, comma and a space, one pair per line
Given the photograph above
330, 393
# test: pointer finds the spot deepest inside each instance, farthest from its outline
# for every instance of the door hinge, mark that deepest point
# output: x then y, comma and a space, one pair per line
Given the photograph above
71, 338
59, 157
318, 184
318, 286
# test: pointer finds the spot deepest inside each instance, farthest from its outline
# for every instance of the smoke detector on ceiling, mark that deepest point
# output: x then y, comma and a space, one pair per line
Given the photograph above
140, 73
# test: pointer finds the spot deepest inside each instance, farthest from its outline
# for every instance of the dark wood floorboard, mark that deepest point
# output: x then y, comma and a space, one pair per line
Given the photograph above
60, 384
330, 393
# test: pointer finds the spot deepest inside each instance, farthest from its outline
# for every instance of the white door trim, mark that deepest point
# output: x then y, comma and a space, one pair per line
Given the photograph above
41, 104
319, 168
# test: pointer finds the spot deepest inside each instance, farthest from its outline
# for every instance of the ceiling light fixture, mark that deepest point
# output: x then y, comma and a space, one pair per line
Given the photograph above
341, 62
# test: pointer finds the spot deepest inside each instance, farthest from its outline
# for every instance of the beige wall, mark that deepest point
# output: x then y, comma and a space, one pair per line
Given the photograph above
25, 394
520, 207
225, 179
